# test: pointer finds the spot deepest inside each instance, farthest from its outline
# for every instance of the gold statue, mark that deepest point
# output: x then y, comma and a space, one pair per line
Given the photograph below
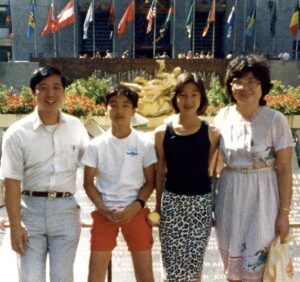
155, 94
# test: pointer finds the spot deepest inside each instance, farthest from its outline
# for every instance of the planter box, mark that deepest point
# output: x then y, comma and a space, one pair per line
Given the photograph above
7, 119
139, 121
294, 121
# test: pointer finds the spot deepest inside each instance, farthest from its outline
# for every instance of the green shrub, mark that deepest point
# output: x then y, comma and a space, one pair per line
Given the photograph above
93, 88
278, 88
216, 94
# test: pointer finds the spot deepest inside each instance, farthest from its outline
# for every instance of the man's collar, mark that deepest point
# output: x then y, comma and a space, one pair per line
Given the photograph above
37, 122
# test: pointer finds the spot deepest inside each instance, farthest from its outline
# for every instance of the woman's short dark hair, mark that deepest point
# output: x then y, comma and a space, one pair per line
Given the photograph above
183, 79
125, 91
244, 64
44, 72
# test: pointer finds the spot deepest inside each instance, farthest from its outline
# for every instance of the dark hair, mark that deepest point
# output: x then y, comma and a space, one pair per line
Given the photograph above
44, 72
243, 64
125, 91
183, 79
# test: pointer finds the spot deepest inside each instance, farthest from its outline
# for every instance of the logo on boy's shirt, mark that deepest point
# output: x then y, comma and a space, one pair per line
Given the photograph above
132, 152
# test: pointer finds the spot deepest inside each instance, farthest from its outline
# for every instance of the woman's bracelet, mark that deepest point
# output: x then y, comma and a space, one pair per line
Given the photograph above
287, 210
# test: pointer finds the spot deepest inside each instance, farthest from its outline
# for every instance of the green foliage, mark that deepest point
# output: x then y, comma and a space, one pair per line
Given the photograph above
4, 91
93, 88
216, 94
278, 88
26, 94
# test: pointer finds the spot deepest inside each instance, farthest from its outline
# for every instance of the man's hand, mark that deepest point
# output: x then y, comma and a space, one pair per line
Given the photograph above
2, 222
19, 239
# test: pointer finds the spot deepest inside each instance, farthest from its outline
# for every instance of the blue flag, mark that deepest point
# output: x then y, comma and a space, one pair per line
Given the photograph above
31, 19
250, 23
88, 19
231, 20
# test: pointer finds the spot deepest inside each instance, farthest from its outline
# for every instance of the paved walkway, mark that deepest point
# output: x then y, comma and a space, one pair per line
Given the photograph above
121, 263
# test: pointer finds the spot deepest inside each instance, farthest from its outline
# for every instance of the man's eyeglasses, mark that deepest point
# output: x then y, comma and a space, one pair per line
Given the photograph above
239, 83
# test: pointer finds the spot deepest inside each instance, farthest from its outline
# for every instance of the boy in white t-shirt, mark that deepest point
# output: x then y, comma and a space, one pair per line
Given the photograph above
123, 162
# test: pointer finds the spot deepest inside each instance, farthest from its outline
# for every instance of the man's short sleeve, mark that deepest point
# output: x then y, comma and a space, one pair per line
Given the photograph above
12, 160
90, 155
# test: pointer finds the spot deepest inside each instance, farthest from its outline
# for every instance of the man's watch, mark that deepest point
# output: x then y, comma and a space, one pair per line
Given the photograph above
142, 202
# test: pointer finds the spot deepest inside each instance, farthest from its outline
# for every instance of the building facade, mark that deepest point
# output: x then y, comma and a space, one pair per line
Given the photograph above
69, 42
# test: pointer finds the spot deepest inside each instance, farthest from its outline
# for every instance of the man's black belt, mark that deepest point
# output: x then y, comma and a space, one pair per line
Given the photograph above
47, 194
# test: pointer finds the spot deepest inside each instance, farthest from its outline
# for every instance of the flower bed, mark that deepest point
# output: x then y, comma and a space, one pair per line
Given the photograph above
85, 97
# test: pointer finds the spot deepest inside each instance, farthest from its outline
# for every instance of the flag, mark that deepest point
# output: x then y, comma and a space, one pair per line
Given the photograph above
88, 19
211, 18
31, 19
231, 20
273, 20
126, 18
111, 21
294, 24
166, 24
66, 16
51, 23
8, 22
250, 23
189, 20
151, 15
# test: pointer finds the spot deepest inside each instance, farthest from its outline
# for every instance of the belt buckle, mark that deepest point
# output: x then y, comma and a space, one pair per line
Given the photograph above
244, 170
52, 195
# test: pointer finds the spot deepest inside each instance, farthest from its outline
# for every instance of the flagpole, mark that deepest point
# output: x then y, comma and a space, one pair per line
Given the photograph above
193, 27
114, 35
234, 27
74, 34
154, 31
133, 31
255, 25
297, 44
35, 43
54, 33
94, 33
213, 39
244, 27
174, 22
274, 37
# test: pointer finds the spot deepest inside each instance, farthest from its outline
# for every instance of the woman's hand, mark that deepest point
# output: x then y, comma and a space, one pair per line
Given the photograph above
153, 218
282, 226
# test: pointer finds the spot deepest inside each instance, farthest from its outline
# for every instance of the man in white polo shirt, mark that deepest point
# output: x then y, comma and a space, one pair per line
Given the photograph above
40, 155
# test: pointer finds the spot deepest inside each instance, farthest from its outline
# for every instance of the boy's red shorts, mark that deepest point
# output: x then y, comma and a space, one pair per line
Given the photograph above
137, 233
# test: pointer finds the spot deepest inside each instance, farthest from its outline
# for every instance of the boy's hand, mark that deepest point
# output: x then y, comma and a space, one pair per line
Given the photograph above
128, 213
109, 214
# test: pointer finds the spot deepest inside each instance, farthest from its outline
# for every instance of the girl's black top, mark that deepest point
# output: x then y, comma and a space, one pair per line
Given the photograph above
187, 161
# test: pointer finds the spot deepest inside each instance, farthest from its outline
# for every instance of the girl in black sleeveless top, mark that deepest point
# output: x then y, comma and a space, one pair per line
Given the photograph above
185, 147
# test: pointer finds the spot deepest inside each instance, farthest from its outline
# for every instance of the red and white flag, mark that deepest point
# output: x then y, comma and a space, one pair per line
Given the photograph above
51, 23
126, 18
66, 16
151, 15
211, 18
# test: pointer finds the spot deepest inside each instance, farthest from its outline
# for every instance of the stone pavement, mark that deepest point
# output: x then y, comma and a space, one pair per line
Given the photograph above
122, 270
